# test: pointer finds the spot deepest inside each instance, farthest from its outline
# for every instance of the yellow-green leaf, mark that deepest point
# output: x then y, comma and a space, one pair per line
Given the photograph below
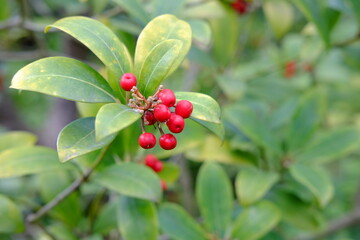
65, 78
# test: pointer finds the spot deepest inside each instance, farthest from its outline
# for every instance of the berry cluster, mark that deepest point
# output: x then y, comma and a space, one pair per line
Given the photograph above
156, 110
155, 164
240, 6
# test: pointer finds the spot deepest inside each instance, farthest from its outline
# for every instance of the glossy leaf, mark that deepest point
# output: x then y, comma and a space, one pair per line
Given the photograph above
50, 185
157, 65
102, 42
214, 198
65, 78
252, 184
245, 120
135, 9
316, 180
178, 224
137, 219
201, 32
255, 221
170, 173
112, 118
298, 213
305, 121
131, 179
323, 18
162, 28
205, 107
78, 138
331, 145
16, 139
12, 221
280, 16
28, 160
217, 128
356, 8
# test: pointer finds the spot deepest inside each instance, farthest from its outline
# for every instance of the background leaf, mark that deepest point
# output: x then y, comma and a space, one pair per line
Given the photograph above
246, 121
331, 145
64, 77
170, 173
103, 43
112, 118
316, 180
12, 221
214, 198
16, 139
28, 160
178, 224
255, 221
252, 184
124, 178
205, 107
137, 219
135, 9
78, 138
50, 185
159, 29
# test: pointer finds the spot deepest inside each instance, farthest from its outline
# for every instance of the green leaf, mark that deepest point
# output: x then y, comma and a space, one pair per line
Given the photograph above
137, 219
331, 145
324, 18
168, 7
157, 64
214, 198
16, 139
78, 138
178, 224
170, 173
106, 220
217, 128
201, 32
252, 184
132, 180
135, 9
28, 160
102, 42
162, 28
316, 180
280, 16
298, 213
64, 77
356, 9
204, 10
12, 221
50, 185
246, 121
205, 107
225, 36
305, 121
255, 221
112, 118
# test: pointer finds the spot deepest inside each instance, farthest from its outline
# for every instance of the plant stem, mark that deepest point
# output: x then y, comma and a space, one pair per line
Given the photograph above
73, 187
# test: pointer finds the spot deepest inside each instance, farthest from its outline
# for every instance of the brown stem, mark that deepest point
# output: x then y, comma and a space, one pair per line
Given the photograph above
73, 187
142, 125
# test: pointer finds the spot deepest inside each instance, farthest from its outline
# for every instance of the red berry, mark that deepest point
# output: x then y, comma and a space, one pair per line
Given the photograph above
290, 69
167, 141
147, 140
151, 160
128, 81
184, 108
176, 123
163, 185
149, 118
167, 97
158, 166
241, 6
162, 113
